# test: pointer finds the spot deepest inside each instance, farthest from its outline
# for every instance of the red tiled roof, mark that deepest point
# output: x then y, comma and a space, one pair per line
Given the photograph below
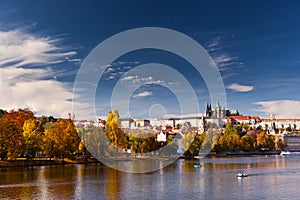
243, 117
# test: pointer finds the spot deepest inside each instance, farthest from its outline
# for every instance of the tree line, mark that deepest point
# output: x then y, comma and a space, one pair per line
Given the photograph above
233, 138
24, 135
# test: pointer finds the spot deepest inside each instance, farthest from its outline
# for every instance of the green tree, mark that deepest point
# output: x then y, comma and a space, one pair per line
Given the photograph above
230, 129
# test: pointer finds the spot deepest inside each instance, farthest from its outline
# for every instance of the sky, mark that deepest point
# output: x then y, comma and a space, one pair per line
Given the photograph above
44, 45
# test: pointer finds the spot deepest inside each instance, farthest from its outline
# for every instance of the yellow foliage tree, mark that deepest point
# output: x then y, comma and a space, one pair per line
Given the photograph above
61, 140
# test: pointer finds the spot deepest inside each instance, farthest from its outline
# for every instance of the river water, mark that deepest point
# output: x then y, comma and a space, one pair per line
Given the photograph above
271, 177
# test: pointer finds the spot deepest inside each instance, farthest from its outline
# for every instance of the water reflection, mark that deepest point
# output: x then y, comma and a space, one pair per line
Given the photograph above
269, 177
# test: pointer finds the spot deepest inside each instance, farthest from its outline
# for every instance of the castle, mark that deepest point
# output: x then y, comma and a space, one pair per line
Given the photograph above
219, 112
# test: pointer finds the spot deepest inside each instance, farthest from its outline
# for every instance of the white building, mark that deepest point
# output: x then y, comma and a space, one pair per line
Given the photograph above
283, 123
161, 137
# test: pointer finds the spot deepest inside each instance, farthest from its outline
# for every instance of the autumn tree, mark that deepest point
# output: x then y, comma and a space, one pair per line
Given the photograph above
265, 142
2, 112
192, 148
187, 140
12, 139
230, 130
280, 144
32, 133
210, 140
113, 130
18, 117
94, 141
221, 145
248, 143
61, 140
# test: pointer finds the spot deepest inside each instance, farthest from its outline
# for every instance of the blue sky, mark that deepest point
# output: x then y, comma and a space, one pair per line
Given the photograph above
255, 45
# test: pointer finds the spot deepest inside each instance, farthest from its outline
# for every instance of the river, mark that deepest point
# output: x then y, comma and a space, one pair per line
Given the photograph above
270, 177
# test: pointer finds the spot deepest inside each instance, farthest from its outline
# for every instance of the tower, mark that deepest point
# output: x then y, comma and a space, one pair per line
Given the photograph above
218, 111
208, 111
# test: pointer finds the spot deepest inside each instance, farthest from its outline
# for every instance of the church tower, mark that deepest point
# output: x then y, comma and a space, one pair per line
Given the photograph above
218, 111
208, 112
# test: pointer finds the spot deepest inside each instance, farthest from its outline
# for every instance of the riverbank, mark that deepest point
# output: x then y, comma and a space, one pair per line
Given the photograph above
26, 163
256, 152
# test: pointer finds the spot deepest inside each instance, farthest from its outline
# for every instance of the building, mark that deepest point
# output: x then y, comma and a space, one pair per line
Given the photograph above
161, 137
141, 123
251, 120
126, 122
131, 123
281, 123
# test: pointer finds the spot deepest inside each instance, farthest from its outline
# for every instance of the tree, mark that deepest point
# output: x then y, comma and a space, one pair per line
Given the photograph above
195, 145
265, 142
210, 139
32, 134
187, 140
18, 117
230, 130
247, 143
2, 112
113, 131
233, 142
221, 146
95, 141
61, 140
12, 141
280, 144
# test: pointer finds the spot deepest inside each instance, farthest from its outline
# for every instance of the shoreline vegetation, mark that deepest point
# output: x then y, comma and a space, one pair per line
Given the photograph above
27, 140
42, 162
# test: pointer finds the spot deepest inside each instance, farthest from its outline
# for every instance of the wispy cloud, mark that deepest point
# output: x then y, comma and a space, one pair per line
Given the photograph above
214, 44
23, 86
21, 49
143, 94
240, 88
117, 69
226, 62
147, 80
281, 108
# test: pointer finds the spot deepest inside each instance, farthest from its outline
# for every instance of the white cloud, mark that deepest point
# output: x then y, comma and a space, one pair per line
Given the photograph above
127, 78
214, 44
133, 80
224, 61
19, 49
23, 88
240, 88
136, 79
143, 94
281, 108
33, 88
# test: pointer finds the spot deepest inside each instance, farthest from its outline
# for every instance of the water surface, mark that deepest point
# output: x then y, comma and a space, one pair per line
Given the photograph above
270, 177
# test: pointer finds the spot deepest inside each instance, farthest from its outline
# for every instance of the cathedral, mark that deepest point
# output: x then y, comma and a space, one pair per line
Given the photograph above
217, 113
